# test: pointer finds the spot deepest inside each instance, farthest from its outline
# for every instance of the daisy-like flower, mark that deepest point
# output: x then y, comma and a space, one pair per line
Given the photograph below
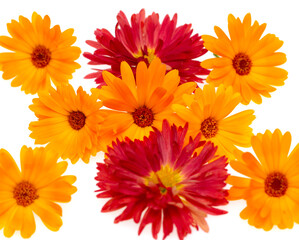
207, 112
34, 189
246, 62
160, 181
67, 122
39, 54
137, 106
272, 184
144, 40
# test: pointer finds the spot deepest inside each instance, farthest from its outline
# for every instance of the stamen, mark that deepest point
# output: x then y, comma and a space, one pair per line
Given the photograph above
143, 117
242, 64
209, 128
25, 194
77, 120
276, 184
40, 56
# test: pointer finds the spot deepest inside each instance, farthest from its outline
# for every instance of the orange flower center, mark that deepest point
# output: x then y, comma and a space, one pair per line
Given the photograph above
40, 56
143, 117
25, 194
209, 128
242, 64
276, 184
77, 120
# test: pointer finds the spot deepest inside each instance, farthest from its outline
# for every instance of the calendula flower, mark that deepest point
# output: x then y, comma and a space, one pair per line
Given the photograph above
40, 54
136, 106
271, 186
144, 40
34, 189
208, 111
67, 122
246, 62
160, 180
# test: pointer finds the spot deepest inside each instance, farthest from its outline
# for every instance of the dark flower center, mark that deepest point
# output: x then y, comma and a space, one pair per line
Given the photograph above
77, 120
143, 117
242, 64
40, 56
276, 184
25, 194
209, 128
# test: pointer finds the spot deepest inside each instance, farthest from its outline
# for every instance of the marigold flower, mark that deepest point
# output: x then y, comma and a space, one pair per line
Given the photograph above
246, 62
39, 54
165, 180
272, 185
144, 40
68, 122
207, 112
135, 107
34, 190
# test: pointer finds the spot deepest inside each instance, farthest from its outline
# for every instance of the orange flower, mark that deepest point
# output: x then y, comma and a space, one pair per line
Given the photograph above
136, 106
246, 62
34, 190
40, 53
271, 190
68, 122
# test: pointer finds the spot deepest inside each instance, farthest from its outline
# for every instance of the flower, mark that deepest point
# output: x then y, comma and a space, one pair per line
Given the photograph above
135, 107
272, 185
161, 181
67, 122
39, 53
34, 190
247, 63
207, 112
144, 40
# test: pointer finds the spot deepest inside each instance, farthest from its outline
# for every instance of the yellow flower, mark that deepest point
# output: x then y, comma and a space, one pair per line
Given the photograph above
271, 190
39, 53
246, 62
34, 190
137, 106
207, 112
67, 122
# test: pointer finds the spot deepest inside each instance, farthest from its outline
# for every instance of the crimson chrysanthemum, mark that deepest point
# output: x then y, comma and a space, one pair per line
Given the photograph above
144, 40
161, 181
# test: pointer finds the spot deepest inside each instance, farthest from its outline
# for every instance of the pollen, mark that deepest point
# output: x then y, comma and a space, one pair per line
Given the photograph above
242, 64
77, 120
41, 56
209, 128
276, 184
25, 194
143, 117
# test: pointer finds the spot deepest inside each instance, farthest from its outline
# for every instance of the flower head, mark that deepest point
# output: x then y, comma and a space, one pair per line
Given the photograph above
39, 54
135, 107
67, 122
207, 112
144, 40
271, 186
165, 180
246, 62
34, 190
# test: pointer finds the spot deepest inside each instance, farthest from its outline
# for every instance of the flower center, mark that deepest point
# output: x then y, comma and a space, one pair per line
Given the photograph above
276, 184
147, 54
25, 194
242, 64
40, 56
77, 120
209, 128
166, 177
143, 117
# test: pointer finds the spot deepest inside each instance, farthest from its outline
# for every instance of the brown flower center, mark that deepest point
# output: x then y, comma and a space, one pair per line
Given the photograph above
77, 120
242, 64
209, 128
25, 194
40, 56
143, 117
276, 184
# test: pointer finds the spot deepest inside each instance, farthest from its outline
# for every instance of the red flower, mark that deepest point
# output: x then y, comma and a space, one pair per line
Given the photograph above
168, 181
145, 39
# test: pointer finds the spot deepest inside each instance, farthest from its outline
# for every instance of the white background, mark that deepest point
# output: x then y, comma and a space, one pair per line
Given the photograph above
82, 218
